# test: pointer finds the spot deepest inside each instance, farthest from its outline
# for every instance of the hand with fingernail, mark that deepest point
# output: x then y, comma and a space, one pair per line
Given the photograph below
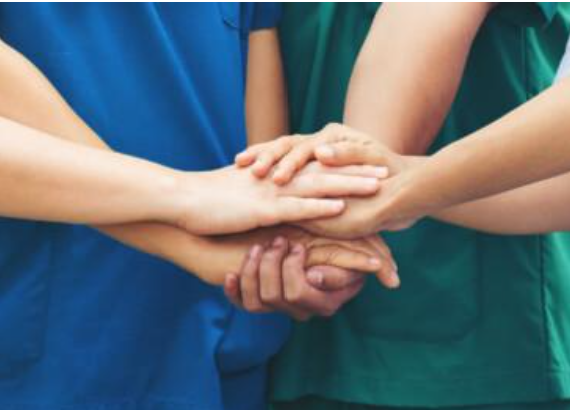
336, 145
276, 278
339, 146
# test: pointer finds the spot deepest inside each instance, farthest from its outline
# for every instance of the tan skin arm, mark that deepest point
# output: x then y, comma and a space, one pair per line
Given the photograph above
409, 69
266, 96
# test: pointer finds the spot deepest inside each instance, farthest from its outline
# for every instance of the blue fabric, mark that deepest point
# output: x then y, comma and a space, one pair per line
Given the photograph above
86, 323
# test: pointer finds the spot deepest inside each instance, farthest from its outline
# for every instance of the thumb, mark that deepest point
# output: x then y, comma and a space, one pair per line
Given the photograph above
349, 153
341, 257
331, 278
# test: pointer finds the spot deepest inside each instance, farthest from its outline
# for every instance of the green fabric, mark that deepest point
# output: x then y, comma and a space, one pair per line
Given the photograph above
316, 403
480, 319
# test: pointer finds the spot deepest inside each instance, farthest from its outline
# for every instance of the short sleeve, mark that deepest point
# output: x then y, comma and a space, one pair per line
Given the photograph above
265, 15
537, 14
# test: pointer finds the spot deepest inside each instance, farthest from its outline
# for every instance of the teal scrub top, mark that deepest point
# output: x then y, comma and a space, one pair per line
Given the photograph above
479, 319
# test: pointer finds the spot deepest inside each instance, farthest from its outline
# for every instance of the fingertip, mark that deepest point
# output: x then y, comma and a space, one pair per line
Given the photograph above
372, 185
315, 277
381, 172
230, 280
297, 249
278, 242
231, 286
389, 278
336, 205
255, 252
259, 169
280, 177
243, 159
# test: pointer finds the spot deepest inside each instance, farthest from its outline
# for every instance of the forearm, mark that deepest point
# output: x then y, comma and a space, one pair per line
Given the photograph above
536, 208
28, 97
50, 179
529, 144
409, 69
266, 111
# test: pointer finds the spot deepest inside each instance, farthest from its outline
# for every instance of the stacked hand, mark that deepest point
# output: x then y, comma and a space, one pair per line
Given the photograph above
339, 146
237, 201
273, 277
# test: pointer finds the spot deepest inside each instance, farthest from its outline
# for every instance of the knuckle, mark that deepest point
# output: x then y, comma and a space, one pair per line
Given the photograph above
286, 142
296, 296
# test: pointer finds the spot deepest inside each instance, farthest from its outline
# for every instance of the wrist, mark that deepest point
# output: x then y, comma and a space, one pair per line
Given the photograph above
182, 192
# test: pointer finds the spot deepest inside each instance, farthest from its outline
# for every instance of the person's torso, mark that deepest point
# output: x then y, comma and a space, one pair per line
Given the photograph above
479, 318
84, 321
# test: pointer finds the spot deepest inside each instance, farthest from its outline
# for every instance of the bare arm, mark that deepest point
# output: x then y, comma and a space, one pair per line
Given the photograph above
529, 144
409, 69
27, 96
266, 95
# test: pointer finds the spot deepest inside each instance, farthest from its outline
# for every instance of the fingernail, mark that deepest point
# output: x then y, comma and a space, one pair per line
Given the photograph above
255, 251
297, 248
278, 242
231, 280
372, 183
394, 280
337, 205
325, 151
382, 172
278, 174
315, 277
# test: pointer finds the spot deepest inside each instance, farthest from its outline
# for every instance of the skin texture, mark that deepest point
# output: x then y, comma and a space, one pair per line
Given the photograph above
28, 98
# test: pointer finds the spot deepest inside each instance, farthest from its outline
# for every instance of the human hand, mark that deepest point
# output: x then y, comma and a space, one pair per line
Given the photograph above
275, 277
397, 206
222, 254
232, 200
335, 145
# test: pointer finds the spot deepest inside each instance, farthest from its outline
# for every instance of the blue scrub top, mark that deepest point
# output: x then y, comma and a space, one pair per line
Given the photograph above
86, 323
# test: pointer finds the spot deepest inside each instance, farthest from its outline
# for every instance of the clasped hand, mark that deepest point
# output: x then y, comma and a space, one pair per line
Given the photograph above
273, 277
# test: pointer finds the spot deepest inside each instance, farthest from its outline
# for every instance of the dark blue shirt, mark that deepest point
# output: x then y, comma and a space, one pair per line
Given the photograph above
86, 323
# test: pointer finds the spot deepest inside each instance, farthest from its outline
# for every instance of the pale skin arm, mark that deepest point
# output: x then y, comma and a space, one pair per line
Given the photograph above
529, 144
28, 98
67, 181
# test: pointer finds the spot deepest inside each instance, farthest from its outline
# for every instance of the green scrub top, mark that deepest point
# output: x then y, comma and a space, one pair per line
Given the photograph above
479, 319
